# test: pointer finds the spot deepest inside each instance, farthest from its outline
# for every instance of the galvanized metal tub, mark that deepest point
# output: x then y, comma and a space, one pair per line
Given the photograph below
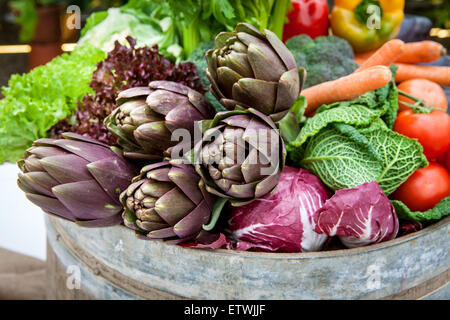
110, 263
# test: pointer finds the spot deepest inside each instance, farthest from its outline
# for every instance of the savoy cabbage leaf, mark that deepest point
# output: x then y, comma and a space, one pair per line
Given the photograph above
356, 115
439, 211
401, 155
340, 161
351, 142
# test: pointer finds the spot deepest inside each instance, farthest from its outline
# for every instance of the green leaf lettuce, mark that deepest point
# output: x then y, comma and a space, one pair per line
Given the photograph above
35, 101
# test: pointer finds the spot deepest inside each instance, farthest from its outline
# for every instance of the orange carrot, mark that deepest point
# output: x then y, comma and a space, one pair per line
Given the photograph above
364, 55
440, 75
413, 52
361, 57
346, 88
359, 60
422, 51
384, 56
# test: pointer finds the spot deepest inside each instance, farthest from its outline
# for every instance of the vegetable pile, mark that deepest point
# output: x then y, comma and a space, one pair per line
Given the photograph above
295, 147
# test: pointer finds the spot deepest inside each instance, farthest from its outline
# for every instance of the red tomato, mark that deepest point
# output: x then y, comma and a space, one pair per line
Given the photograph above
430, 92
445, 159
424, 188
441, 160
431, 129
307, 17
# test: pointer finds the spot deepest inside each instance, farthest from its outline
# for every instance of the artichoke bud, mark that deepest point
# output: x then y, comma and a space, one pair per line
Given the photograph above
167, 201
147, 118
254, 70
245, 158
77, 179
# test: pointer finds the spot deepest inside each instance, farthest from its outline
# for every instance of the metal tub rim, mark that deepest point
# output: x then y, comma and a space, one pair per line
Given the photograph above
417, 284
322, 254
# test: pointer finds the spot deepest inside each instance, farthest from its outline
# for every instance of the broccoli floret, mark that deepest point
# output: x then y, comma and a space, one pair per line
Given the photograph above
325, 58
297, 45
336, 43
317, 73
300, 59
215, 103
299, 42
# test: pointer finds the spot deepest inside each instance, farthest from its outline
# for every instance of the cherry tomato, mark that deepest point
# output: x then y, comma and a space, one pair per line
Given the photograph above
424, 188
429, 91
431, 129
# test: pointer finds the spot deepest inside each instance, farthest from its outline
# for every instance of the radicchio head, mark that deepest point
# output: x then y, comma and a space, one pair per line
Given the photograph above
284, 220
358, 216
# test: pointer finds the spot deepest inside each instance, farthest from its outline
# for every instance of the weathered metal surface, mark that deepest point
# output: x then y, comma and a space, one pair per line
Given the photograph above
116, 265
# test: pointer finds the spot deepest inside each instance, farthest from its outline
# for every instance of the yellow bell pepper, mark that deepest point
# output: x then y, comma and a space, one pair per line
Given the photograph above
365, 26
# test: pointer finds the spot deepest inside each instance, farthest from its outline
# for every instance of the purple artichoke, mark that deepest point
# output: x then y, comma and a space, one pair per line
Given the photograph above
77, 178
240, 156
147, 117
167, 201
254, 70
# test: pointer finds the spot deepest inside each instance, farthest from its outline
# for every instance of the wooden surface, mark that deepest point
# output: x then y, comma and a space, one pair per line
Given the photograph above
21, 277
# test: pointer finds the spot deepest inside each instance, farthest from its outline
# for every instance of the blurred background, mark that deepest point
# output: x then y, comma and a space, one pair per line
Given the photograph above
32, 32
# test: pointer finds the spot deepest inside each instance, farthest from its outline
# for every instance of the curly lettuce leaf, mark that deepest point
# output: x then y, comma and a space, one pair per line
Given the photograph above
439, 211
93, 20
35, 101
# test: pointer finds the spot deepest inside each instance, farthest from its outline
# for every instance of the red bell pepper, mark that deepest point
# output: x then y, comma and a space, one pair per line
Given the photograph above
307, 17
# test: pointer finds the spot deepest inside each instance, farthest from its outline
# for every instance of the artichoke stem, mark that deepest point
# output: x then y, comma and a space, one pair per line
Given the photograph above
215, 214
